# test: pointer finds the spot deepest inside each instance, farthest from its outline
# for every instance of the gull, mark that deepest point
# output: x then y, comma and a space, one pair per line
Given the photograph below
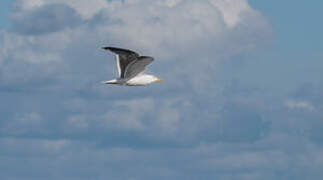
131, 68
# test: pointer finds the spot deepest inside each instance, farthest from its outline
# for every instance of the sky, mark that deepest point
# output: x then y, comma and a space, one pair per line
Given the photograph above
241, 96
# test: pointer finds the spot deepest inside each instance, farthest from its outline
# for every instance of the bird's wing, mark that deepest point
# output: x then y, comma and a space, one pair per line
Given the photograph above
137, 66
124, 58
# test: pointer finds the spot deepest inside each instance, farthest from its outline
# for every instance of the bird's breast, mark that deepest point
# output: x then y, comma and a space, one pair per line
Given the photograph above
140, 80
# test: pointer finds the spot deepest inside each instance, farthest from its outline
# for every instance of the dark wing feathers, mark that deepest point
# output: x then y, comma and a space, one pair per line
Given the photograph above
120, 51
125, 58
137, 66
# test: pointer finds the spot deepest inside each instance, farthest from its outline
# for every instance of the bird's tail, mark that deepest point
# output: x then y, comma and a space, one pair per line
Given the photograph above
110, 82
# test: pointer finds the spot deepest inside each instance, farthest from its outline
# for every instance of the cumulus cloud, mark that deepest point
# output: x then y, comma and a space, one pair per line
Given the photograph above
87, 10
54, 48
52, 102
186, 37
45, 19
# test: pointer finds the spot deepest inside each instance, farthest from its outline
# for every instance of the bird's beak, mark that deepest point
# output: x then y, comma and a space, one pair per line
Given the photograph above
159, 80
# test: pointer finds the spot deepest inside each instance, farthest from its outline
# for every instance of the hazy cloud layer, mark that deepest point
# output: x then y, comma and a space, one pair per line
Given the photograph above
45, 19
62, 123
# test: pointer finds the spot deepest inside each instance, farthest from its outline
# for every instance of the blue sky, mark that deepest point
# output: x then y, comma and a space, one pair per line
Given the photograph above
241, 97
296, 39
4, 16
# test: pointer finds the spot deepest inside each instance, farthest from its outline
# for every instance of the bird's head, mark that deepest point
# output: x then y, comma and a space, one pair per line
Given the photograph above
156, 79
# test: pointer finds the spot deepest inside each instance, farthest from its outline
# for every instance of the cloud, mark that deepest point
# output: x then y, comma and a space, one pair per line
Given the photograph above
224, 161
309, 97
300, 105
180, 40
188, 38
87, 10
56, 115
45, 19
233, 10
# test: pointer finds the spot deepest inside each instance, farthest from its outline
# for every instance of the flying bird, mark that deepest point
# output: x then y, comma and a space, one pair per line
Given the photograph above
131, 68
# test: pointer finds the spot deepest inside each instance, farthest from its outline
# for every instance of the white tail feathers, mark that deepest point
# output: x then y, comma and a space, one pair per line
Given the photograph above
110, 82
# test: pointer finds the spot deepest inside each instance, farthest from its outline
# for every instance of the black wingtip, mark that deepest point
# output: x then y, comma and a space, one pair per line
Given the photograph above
119, 50
106, 48
113, 48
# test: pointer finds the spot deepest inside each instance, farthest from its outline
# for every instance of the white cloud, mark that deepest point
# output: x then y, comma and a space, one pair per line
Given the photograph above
215, 133
34, 146
187, 38
169, 3
77, 122
29, 4
163, 26
225, 161
232, 10
22, 124
161, 30
299, 105
169, 119
83, 7
129, 114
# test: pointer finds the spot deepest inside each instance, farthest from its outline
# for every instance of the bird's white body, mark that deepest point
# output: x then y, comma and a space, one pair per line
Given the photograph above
139, 80
131, 68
